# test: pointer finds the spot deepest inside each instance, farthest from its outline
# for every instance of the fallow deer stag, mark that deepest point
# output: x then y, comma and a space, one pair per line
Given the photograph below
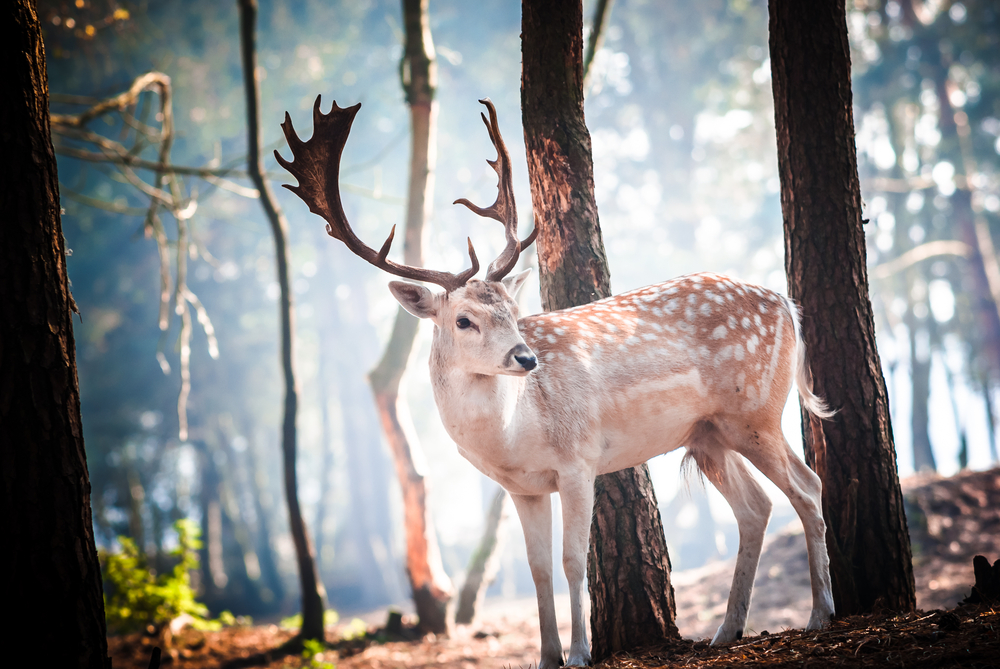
546, 403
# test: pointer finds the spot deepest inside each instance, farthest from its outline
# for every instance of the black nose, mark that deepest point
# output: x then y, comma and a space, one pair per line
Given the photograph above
525, 357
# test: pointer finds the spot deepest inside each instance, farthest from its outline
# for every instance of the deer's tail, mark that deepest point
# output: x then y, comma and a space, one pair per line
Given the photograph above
803, 379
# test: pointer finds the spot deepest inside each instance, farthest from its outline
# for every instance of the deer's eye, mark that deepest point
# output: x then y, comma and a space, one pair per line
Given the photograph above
463, 323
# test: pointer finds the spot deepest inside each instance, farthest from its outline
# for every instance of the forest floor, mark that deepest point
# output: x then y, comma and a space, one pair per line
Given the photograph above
951, 520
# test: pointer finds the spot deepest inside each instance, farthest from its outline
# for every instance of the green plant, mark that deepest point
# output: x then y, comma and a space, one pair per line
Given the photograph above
135, 597
294, 622
312, 652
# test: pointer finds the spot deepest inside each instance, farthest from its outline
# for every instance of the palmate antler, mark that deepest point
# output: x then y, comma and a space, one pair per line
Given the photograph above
503, 209
316, 165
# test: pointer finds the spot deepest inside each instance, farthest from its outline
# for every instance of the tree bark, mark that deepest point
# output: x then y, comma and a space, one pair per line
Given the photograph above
484, 563
853, 453
312, 588
626, 542
49, 555
432, 589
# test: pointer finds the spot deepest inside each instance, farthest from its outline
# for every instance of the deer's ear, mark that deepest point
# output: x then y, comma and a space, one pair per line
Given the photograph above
514, 283
419, 301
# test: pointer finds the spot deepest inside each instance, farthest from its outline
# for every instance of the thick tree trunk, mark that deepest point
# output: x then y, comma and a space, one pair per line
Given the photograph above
626, 542
312, 588
53, 579
432, 589
853, 453
484, 563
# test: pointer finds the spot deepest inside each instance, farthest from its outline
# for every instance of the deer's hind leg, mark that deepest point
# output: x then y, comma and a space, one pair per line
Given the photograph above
771, 454
752, 508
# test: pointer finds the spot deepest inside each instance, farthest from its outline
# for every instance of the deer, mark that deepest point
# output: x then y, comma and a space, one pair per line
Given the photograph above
548, 402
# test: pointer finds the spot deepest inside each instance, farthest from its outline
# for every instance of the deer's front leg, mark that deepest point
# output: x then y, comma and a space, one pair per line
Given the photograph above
576, 491
535, 512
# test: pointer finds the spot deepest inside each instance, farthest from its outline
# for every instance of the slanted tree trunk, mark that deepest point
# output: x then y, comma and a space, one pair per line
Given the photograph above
981, 266
628, 567
432, 589
853, 453
312, 587
53, 579
484, 563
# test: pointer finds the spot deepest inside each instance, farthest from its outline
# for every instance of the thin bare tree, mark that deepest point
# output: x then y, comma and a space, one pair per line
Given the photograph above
312, 588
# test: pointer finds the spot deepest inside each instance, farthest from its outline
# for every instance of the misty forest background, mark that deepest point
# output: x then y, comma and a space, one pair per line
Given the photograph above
680, 109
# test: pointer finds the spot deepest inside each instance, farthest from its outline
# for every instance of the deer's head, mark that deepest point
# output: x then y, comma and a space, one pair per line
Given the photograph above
476, 320
476, 324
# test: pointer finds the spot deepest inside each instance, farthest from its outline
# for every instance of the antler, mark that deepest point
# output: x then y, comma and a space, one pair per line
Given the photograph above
503, 209
316, 166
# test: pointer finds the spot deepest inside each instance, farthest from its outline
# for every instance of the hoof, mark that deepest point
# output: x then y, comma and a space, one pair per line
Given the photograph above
819, 619
579, 660
550, 663
726, 634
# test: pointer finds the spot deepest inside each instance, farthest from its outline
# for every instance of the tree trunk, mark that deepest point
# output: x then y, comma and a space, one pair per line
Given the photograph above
326, 466
370, 524
626, 542
273, 591
432, 589
991, 425
312, 587
920, 370
49, 558
484, 563
853, 453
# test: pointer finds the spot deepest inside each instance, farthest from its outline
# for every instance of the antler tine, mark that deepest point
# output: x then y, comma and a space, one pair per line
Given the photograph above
503, 208
316, 166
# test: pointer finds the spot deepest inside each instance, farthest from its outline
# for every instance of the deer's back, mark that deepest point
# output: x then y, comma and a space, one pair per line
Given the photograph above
649, 364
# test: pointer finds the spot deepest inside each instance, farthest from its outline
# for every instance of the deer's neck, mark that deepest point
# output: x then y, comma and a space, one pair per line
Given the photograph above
482, 413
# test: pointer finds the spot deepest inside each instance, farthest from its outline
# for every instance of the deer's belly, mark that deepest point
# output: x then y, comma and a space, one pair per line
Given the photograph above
648, 421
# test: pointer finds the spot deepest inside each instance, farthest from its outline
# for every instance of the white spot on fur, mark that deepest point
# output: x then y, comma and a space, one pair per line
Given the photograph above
719, 332
745, 322
738, 352
706, 309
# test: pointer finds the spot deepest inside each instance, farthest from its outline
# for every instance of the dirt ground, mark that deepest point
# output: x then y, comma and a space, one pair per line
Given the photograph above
951, 521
